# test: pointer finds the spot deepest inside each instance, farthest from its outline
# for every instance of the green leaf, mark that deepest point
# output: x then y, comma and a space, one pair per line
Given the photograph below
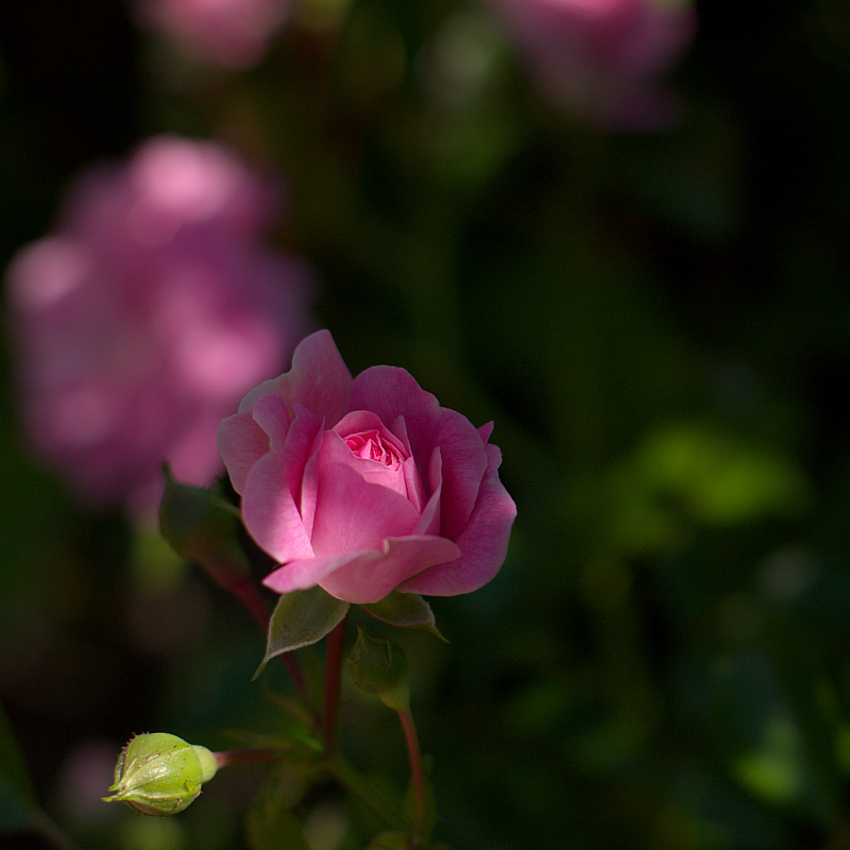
405, 610
301, 618
17, 795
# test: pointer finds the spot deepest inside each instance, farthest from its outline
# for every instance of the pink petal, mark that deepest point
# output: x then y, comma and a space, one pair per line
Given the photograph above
364, 576
241, 443
483, 542
369, 579
429, 522
271, 415
319, 380
301, 442
464, 464
309, 493
391, 392
304, 573
270, 514
335, 450
353, 514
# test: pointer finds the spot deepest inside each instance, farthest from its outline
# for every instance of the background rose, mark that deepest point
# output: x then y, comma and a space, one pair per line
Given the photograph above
367, 485
140, 323
235, 33
603, 57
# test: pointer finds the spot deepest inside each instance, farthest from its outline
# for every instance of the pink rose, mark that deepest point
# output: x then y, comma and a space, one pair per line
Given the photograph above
235, 33
364, 486
147, 315
603, 57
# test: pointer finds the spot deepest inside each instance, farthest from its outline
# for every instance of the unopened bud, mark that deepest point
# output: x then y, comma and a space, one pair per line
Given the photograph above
200, 527
380, 667
160, 774
195, 521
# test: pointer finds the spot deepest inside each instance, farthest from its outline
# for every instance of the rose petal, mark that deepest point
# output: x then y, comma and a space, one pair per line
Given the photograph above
429, 521
271, 415
270, 514
304, 573
241, 443
464, 463
391, 392
301, 441
353, 514
365, 580
319, 380
483, 542
335, 450
364, 576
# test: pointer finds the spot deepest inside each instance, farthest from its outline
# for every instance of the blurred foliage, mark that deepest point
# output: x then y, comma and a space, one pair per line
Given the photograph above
658, 324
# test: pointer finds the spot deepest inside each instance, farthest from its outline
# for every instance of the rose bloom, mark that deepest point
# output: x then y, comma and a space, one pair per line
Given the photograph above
146, 316
235, 33
604, 58
364, 486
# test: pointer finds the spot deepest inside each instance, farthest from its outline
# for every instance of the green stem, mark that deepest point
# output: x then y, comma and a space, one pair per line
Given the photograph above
354, 781
333, 679
416, 775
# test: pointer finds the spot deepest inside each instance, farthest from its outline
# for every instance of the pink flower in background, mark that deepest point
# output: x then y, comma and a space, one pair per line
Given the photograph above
236, 33
145, 317
603, 58
365, 485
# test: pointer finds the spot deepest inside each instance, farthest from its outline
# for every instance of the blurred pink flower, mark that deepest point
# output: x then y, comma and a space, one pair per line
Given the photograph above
365, 485
603, 58
235, 33
142, 321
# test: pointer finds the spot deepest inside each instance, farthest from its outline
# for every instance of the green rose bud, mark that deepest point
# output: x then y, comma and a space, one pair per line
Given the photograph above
380, 667
160, 774
195, 521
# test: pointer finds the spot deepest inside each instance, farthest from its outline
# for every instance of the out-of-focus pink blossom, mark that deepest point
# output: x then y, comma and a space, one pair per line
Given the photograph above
235, 33
603, 58
143, 319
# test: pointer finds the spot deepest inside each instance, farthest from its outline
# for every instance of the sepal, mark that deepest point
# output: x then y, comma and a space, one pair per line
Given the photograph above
404, 610
301, 618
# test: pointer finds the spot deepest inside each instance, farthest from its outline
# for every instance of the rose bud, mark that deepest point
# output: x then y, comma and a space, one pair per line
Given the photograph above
160, 774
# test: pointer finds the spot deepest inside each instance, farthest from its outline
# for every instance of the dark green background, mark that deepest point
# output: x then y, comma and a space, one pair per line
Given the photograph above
658, 324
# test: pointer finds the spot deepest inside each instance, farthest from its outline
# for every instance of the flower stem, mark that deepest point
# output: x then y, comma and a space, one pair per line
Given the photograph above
248, 755
333, 678
416, 775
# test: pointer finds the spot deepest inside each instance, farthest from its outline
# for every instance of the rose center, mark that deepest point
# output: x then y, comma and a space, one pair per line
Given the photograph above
371, 445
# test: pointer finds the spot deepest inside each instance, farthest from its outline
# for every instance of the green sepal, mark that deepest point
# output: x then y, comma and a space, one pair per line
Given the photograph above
406, 611
378, 665
299, 619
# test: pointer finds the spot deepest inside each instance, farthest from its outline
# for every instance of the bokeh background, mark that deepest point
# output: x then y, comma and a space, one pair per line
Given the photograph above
657, 318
